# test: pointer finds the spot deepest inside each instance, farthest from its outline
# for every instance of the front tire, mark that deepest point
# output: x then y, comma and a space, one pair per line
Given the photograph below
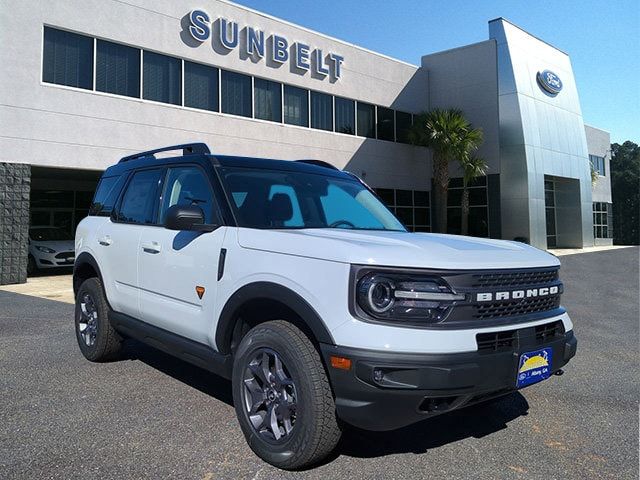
97, 339
282, 397
32, 267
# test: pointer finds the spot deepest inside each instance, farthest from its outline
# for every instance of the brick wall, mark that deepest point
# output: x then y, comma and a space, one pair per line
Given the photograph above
15, 185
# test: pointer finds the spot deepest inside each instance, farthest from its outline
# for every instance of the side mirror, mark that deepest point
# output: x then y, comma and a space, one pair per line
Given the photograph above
187, 217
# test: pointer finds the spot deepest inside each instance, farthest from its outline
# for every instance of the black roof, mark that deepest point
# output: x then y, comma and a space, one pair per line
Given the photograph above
307, 166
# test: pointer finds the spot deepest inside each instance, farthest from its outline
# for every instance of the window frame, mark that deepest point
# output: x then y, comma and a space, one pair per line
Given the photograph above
93, 39
130, 174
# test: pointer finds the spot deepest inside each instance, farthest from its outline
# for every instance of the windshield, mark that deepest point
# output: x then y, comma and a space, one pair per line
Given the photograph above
284, 199
48, 234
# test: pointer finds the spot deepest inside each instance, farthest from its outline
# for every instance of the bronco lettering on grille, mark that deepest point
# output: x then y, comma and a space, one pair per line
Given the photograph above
517, 294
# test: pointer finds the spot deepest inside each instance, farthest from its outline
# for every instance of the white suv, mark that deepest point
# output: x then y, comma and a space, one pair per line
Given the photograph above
294, 281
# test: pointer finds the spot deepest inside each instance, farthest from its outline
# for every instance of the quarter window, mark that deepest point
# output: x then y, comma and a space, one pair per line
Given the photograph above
161, 78
187, 186
67, 59
140, 197
117, 69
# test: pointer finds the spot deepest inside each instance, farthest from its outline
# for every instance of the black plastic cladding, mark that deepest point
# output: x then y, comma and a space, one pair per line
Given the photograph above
471, 314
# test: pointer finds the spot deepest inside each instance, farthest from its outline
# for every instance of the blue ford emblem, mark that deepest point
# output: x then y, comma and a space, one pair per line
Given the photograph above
549, 81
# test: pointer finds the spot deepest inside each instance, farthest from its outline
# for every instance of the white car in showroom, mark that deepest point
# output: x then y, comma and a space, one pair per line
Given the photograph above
49, 247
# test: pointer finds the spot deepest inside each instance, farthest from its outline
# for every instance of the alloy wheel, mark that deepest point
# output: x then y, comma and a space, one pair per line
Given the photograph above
88, 322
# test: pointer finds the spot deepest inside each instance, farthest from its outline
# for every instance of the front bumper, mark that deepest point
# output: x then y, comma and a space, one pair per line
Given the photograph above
387, 390
54, 260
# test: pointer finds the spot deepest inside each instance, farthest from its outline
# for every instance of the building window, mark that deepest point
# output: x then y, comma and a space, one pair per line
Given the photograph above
267, 100
296, 106
598, 164
366, 120
200, 86
321, 111
478, 207
345, 115
410, 206
67, 59
550, 212
386, 124
602, 214
404, 121
236, 93
161, 78
117, 69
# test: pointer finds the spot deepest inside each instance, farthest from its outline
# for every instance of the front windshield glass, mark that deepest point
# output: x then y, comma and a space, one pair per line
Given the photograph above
48, 234
288, 200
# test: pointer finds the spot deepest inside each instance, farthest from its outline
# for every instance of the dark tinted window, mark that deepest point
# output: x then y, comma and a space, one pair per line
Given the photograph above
161, 78
117, 69
236, 93
106, 195
321, 111
386, 124
140, 197
200, 86
296, 106
67, 59
267, 100
403, 126
187, 186
366, 120
345, 116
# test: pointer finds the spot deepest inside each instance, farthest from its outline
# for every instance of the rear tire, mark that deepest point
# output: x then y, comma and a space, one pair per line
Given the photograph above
282, 397
97, 339
32, 267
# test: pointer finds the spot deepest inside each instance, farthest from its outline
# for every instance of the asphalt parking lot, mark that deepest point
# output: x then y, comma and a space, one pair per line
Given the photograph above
150, 416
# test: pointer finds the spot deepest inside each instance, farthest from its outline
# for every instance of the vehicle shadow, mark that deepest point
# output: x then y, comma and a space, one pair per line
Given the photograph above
476, 421
196, 377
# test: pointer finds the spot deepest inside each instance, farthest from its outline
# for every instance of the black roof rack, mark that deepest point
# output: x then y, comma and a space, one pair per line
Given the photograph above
319, 163
187, 149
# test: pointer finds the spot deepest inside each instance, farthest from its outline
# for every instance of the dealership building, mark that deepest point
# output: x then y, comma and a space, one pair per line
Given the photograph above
88, 82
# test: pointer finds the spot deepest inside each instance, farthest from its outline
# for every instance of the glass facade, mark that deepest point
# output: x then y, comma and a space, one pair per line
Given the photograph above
478, 207
321, 111
602, 216
410, 206
267, 100
345, 116
67, 59
296, 106
236, 93
117, 69
162, 78
386, 124
366, 119
200, 86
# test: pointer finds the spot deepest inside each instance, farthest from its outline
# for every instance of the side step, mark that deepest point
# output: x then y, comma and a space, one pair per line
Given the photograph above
186, 349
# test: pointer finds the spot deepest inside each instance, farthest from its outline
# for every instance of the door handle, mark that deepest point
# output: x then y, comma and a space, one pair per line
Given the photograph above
105, 241
151, 247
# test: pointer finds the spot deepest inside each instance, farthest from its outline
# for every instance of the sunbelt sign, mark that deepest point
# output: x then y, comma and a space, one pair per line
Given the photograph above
254, 43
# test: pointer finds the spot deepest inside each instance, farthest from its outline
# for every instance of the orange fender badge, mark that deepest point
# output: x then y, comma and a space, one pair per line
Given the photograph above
200, 291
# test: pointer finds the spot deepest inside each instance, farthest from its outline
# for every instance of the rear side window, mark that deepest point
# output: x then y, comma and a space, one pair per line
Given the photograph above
106, 195
139, 199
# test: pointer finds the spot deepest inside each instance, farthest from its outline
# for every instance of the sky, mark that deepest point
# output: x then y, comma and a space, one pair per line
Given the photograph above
602, 39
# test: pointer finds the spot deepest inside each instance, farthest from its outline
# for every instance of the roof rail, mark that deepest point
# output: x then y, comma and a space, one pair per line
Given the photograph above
319, 163
187, 149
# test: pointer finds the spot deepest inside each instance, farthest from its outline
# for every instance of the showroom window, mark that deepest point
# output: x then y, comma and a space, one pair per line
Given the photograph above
478, 207
321, 111
345, 115
161, 78
410, 206
296, 106
386, 124
404, 121
597, 164
67, 59
602, 214
366, 120
267, 100
236, 93
200, 86
117, 69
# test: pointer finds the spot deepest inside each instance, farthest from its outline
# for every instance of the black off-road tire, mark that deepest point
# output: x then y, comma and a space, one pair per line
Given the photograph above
315, 432
107, 343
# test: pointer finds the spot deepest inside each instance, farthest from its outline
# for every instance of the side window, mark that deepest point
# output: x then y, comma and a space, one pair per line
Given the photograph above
106, 195
139, 199
295, 218
187, 186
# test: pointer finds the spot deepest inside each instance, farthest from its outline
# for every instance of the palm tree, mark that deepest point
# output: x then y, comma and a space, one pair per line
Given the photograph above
472, 167
450, 136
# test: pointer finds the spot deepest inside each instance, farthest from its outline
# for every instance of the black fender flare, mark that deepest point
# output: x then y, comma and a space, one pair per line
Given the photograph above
268, 291
84, 259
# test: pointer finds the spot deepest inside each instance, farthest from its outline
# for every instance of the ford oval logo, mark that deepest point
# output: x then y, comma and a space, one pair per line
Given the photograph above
549, 81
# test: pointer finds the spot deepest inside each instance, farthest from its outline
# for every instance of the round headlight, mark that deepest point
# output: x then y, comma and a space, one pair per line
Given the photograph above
377, 294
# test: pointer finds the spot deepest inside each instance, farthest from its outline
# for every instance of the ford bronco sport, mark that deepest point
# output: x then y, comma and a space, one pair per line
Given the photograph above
291, 279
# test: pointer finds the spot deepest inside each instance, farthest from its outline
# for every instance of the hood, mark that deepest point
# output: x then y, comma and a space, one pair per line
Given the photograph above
57, 245
399, 249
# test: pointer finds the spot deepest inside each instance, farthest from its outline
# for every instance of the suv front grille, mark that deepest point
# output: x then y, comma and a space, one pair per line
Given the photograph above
510, 339
514, 279
521, 307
